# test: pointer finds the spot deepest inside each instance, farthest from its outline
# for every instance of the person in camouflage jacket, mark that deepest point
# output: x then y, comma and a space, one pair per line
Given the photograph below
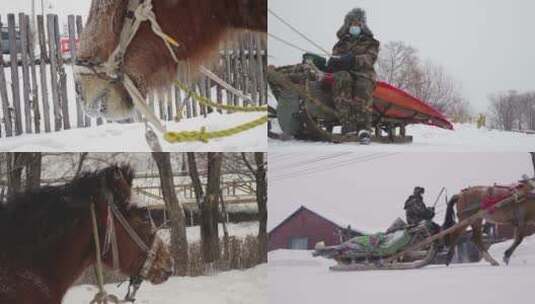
354, 56
415, 208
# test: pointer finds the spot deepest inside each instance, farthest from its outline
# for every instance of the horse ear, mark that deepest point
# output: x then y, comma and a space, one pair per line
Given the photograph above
128, 173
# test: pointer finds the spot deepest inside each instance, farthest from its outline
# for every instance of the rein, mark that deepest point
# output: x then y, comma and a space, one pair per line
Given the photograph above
111, 240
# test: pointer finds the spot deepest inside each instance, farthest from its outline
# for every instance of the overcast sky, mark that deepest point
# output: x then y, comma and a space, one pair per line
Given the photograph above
368, 190
487, 45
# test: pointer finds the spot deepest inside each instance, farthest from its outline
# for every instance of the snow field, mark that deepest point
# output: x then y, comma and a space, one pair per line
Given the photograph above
232, 287
297, 277
464, 138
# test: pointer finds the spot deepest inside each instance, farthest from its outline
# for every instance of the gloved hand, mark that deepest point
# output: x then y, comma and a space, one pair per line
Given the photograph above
340, 63
431, 211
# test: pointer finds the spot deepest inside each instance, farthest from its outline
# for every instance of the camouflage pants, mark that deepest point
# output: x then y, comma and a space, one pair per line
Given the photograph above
353, 99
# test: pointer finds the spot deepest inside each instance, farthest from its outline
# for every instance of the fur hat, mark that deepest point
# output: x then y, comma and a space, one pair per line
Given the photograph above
357, 14
418, 190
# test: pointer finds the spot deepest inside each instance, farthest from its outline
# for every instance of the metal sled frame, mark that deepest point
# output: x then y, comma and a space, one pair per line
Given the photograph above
317, 129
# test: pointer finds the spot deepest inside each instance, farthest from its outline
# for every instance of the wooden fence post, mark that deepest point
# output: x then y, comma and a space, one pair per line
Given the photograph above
252, 68
15, 88
178, 104
6, 109
53, 71
43, 58
79, 29
170, 103
262, 85
72, 49
23, 30
34, 91
227, 72
64, 99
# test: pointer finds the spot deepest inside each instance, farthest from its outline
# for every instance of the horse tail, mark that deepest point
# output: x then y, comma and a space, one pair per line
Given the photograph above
449, 219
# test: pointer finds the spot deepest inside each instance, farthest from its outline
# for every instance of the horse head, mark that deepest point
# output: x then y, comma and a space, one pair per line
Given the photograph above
198, 27
140, 251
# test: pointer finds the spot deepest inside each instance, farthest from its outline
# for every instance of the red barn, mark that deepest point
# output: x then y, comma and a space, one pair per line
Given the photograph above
304, 228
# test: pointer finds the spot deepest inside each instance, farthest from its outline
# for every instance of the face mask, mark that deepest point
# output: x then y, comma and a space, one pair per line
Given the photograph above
355, 30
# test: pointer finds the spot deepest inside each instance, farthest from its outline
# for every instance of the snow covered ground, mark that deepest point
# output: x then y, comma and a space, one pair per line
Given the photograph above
297, 277
131, 137
239, 230
464, 138
232, 287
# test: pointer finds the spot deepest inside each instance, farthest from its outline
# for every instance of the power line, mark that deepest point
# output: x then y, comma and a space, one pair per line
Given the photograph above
318, 169
298, 32
295, 46
318, 164
304, 162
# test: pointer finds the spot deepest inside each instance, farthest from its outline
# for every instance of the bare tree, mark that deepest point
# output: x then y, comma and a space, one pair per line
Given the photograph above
259, 172
19, 162
210, 209
195, 179
208, 203
33, 170
179, 241
261, 199
503, 110
533, 161
399, 65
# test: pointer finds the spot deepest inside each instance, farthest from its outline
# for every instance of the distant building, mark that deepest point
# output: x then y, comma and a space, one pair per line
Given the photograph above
304, 228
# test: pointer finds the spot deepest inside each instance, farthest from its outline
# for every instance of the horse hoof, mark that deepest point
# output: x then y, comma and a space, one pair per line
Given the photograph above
506, 260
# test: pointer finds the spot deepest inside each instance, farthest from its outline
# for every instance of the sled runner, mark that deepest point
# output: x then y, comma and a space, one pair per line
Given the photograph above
370, 251
306, 109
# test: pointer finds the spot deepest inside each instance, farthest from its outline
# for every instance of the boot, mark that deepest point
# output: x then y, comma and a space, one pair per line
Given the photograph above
364, 137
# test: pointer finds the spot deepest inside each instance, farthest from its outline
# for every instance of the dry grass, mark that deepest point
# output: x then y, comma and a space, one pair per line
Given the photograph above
236, 253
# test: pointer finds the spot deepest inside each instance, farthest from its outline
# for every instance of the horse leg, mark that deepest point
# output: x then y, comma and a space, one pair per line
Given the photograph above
519, 236
477, 239
451, 242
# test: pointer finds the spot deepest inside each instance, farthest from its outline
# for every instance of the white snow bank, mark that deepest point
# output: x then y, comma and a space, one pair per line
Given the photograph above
232, 287
239, 230
465, 138
131, 137
297, 277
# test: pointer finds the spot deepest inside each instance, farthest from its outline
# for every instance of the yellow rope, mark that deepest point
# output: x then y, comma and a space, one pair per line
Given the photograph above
207, 102
204, 136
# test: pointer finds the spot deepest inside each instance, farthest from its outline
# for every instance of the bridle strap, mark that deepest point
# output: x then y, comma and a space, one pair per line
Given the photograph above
133, 235
110, 240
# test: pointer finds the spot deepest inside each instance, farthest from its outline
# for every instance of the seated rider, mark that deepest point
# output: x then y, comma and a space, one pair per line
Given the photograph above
415, 209
353, 73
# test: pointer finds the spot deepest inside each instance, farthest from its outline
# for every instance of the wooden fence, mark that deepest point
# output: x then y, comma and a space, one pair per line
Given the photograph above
37, 86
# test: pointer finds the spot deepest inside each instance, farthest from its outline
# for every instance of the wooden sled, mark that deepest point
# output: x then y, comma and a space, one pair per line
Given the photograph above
306, 111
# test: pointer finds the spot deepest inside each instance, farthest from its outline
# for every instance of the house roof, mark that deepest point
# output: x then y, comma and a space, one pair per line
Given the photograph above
303, 208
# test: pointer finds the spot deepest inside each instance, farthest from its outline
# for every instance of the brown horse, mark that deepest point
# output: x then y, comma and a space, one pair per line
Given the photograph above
47, 239
474, 199
198, 26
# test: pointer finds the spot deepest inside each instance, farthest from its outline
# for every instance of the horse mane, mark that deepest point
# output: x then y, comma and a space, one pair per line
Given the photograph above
34, 222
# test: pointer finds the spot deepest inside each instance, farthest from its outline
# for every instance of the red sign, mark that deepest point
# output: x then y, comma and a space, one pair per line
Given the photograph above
65, 46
